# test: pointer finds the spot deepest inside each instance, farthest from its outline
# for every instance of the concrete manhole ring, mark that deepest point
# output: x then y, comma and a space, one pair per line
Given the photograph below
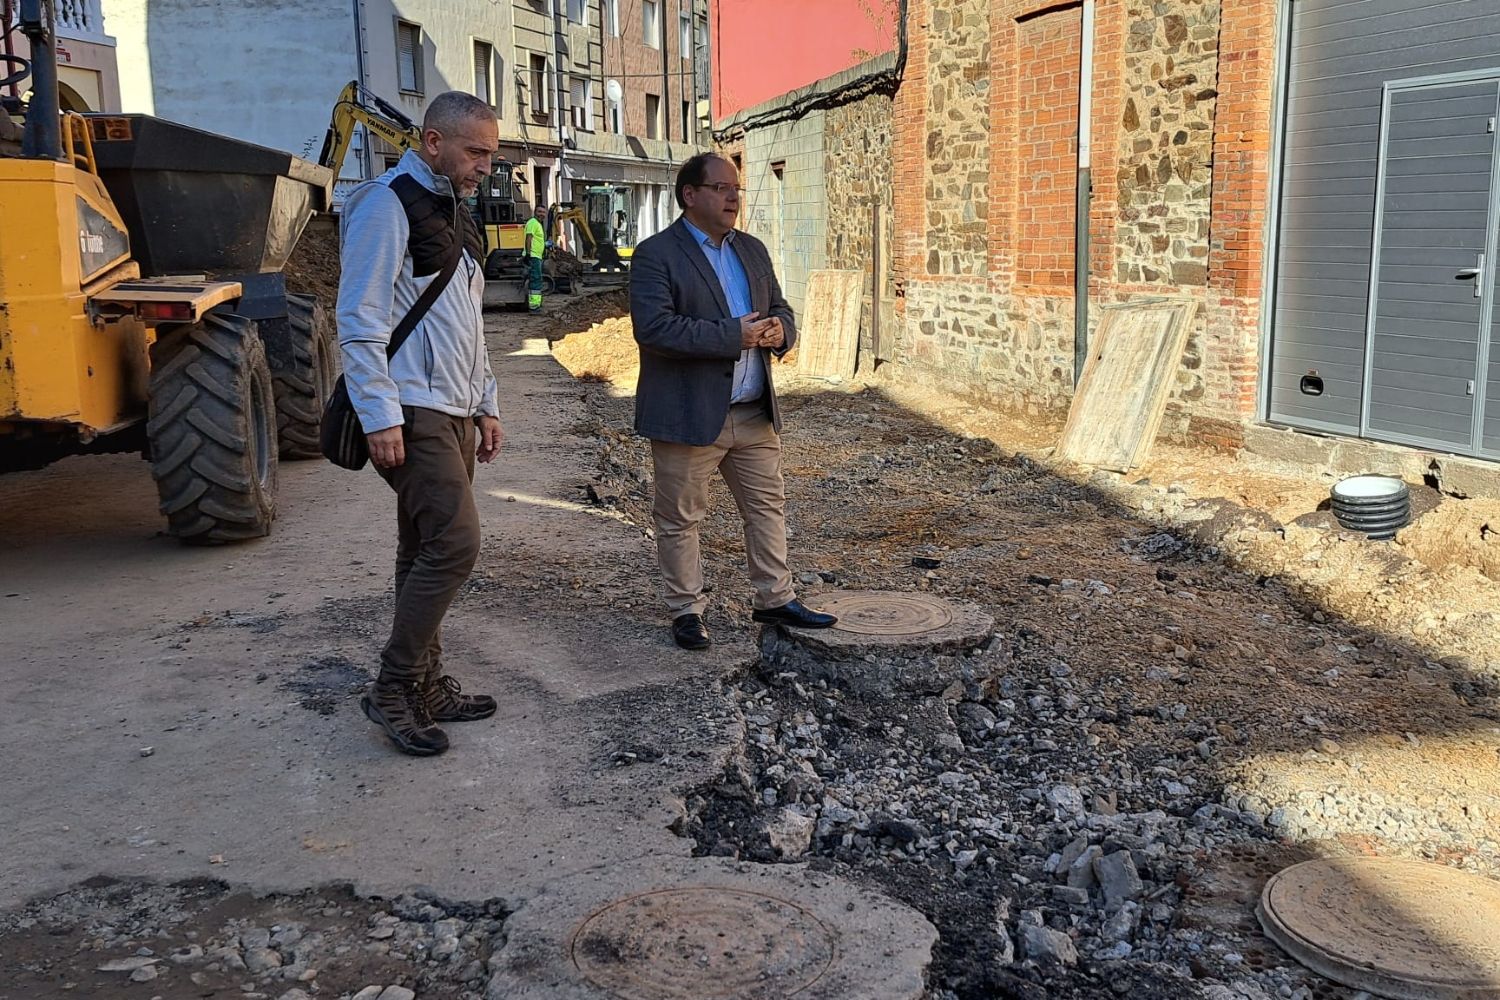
702, 941
886, 613
1405, 929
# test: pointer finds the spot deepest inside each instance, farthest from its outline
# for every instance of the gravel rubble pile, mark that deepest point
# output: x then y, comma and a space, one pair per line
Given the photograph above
137, 938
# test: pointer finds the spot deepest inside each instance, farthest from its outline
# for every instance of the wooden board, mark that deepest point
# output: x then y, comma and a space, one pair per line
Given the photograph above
828, 336
1133, 359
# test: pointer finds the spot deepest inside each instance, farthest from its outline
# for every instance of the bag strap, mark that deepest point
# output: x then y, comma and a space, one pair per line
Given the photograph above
424, 302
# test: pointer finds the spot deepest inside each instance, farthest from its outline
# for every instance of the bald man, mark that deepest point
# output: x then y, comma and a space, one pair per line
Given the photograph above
429, 409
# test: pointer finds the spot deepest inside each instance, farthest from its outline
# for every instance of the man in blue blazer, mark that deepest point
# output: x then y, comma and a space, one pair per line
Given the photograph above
708, 314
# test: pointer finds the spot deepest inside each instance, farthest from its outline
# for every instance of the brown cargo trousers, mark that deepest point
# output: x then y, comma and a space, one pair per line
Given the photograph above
437, 538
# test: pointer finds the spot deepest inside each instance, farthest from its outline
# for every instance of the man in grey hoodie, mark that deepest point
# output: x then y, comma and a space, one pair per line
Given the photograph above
429, 410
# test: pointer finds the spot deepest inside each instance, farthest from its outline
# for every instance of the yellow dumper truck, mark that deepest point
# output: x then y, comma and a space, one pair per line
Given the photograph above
142, 305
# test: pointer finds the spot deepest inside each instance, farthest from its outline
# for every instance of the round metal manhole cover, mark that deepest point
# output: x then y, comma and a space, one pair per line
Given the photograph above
703, 944
877, 613
1397, 928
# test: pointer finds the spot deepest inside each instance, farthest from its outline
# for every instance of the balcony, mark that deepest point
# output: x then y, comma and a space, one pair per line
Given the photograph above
81, 19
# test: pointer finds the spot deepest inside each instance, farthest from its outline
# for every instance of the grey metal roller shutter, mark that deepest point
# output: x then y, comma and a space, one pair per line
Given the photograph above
1341, 54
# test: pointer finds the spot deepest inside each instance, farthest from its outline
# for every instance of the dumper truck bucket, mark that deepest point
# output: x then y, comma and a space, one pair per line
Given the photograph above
198, 202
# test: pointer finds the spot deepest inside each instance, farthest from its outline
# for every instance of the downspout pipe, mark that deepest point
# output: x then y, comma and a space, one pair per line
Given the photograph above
559, 53
43, 136
1084, 192
366, 158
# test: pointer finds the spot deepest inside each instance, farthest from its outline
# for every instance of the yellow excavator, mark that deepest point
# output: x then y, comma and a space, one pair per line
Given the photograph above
600, 225
500, 214
142, 306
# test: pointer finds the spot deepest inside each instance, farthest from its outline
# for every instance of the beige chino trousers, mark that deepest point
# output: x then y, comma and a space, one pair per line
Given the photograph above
747, 454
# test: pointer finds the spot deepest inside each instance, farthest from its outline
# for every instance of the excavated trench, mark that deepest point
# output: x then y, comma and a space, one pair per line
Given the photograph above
916, 751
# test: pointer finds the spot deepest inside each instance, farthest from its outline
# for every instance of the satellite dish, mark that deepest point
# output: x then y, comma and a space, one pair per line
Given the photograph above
613, 91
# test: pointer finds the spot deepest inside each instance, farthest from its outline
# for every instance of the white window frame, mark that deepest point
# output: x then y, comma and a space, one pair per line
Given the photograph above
612, 17
417, 57
485, 63
651, 22
684, 36
578, 11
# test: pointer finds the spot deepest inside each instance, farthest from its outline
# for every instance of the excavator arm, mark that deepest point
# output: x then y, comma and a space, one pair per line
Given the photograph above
568, 212
357, 106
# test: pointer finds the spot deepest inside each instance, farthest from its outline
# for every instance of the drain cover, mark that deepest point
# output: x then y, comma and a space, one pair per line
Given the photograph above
884, 613
703, 942
1405, 929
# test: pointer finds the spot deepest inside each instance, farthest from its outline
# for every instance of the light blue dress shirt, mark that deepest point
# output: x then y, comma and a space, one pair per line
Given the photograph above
750, 369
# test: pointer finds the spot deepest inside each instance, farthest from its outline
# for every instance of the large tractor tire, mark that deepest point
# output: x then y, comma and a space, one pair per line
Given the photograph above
304, 377
212, 431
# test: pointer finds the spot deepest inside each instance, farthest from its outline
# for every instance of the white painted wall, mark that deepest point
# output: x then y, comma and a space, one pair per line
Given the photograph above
262, 70
449, 30
268, 71
127, 22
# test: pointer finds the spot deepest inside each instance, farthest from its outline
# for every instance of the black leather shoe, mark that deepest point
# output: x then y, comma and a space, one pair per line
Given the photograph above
794, 613
689, 632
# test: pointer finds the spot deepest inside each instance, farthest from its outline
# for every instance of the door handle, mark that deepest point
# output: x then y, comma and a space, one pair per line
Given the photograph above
1473, 272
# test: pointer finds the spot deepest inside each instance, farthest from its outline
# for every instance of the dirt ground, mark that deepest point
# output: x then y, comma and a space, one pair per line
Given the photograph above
1339, 693
1171, 642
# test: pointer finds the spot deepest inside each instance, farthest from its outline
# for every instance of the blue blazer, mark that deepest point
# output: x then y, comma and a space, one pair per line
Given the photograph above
688, 341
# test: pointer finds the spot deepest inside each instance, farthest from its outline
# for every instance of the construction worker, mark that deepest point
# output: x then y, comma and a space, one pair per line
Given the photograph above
536, 247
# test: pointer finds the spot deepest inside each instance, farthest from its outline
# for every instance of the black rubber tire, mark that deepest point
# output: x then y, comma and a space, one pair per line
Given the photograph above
303, 379
212, 430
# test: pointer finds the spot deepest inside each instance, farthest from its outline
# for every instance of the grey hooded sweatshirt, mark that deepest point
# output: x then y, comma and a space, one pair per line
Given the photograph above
443, 364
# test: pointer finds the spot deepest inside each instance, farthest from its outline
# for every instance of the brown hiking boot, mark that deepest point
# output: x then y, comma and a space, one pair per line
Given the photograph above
401, 710
447, 702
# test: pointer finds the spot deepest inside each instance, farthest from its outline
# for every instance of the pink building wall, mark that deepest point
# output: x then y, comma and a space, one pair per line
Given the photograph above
765, 48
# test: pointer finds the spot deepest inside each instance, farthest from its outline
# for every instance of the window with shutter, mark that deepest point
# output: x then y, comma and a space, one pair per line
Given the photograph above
578, 101
408, 57
484, 59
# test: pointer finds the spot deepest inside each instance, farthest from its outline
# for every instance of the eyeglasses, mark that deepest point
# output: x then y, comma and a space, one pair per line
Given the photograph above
723, 188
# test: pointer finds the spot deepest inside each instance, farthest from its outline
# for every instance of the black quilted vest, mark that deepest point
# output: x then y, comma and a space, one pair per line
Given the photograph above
430, 218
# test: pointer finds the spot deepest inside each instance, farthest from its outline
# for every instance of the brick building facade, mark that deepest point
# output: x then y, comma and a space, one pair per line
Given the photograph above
1319, 176
979, 142
986, 173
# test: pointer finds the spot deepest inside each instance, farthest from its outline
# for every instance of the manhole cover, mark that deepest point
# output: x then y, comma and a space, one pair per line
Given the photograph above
875, 613
703, 944
1404, 929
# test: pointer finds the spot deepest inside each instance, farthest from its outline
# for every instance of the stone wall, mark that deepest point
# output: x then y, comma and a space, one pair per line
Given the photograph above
1166, 140
957, 180
857, 177
984, 168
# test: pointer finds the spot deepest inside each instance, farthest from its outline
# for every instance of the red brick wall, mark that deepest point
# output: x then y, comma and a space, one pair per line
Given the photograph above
1008, 323
909, 133
1047, 53
640, 69
1242, 179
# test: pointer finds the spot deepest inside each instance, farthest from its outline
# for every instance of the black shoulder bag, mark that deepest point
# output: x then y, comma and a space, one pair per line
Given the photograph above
341, 436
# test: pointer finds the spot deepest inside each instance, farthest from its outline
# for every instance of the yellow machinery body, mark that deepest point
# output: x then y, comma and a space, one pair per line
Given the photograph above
76, 320
62, 361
